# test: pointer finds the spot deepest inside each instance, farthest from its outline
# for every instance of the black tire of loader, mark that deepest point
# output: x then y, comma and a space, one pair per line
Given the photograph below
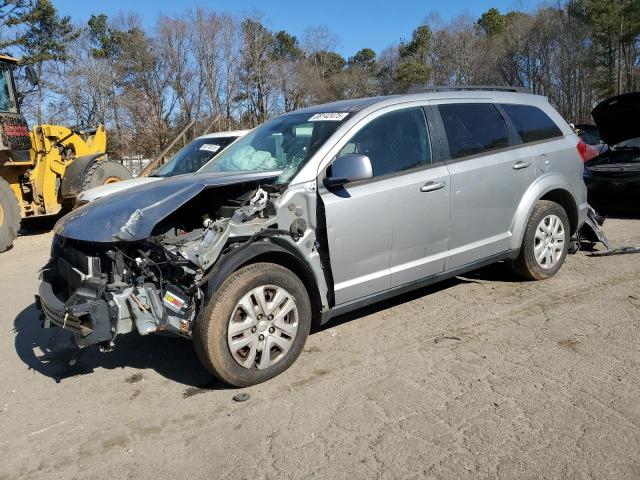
9, 217
101, 171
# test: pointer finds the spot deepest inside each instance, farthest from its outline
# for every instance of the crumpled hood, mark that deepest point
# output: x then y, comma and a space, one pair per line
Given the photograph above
618, 118
132, 214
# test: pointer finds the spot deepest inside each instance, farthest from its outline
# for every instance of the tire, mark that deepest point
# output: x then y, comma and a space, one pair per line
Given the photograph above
9, 216
102, 172
554, 252
211, 333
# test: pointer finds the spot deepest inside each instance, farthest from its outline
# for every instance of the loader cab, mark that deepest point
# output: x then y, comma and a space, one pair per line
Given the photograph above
15, 138
9, 99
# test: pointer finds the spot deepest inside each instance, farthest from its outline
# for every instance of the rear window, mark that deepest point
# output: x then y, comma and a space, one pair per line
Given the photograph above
531, 123
473, 128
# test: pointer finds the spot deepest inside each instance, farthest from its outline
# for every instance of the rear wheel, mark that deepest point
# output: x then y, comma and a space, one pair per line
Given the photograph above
255, 325
9, 216
103, 172
545, 243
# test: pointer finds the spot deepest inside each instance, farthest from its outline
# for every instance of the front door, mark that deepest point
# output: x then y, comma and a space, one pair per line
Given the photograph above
394, 228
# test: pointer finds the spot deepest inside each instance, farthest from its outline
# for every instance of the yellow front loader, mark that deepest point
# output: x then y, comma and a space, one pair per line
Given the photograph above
43, 170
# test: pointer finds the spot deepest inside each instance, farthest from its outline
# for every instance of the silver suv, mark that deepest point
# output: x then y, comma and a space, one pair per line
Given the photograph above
316, 213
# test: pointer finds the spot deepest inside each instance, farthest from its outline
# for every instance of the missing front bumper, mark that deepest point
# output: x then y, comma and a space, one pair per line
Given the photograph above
89, 321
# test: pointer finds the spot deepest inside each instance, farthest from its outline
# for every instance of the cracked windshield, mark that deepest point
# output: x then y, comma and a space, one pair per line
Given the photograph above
284, 143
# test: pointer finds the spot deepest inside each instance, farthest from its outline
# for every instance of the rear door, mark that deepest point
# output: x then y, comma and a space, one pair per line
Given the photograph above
394, 228
544, 138
490, 172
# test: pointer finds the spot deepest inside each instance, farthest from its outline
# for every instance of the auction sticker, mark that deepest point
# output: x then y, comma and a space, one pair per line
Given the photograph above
329, 116
210, 147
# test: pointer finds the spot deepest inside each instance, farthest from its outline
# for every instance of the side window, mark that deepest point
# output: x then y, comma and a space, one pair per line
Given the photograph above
531, 123
473, 128
393, 142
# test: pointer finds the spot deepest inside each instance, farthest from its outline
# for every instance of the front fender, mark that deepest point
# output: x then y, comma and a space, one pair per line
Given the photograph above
247, 253
543, 185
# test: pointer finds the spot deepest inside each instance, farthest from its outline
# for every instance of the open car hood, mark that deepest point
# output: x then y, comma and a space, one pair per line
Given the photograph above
618, 118
132, 214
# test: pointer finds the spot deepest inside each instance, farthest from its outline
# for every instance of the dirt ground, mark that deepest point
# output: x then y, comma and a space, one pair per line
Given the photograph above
480, 377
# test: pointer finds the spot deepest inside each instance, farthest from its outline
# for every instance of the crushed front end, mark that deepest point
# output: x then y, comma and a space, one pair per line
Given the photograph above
101, 291
150, 269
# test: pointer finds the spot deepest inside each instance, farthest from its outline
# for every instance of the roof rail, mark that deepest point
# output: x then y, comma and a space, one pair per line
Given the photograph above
450, 88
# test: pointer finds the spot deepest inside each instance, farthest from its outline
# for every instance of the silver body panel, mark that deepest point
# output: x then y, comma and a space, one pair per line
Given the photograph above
485, 192
386, 233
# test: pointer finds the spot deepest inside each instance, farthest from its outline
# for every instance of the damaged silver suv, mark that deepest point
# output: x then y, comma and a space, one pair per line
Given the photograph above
315, 213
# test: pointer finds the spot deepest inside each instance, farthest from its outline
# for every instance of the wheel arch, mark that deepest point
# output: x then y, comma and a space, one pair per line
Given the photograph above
562, 197
270, 251
551, 187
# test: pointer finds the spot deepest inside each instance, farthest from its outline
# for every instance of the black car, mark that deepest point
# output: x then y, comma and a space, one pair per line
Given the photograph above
613, 177
589, 134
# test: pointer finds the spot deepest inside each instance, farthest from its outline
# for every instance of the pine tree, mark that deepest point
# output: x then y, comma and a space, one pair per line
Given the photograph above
44, 38
12, 15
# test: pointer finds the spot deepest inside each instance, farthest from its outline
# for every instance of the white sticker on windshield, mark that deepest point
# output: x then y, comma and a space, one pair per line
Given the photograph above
210, 147
328, 116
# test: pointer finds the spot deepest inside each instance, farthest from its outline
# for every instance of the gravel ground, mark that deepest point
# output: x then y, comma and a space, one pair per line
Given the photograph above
483, 376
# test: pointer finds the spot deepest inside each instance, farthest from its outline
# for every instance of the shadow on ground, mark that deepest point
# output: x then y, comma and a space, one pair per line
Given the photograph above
497, 272
38, 225
52, 352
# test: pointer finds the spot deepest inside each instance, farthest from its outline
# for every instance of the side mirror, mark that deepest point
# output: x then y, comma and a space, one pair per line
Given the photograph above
349, 168
31, 75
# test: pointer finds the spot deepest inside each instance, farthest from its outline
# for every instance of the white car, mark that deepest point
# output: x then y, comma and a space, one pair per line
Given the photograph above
189, 159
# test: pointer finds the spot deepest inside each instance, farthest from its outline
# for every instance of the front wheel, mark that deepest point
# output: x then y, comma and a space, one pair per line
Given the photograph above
545, 243
255, 325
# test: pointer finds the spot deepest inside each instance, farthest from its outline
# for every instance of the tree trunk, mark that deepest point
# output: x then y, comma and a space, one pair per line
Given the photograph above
40, 94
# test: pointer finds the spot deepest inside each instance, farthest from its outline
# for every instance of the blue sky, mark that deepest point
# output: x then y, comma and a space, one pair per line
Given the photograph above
357, 23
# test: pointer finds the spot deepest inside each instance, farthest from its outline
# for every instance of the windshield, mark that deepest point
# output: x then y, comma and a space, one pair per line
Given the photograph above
7, 98
193, 156
285, 143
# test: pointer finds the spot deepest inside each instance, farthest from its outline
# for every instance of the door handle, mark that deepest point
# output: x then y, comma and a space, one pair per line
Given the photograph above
520, 165
432, 186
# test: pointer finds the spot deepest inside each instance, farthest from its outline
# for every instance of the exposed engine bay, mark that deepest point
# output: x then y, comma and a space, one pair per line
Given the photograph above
159, 284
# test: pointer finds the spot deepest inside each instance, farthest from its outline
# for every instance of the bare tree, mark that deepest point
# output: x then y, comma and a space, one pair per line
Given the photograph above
203, 64
175, 44
216, 45
257, 75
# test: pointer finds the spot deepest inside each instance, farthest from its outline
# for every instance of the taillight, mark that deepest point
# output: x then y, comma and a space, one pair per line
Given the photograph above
582, 150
